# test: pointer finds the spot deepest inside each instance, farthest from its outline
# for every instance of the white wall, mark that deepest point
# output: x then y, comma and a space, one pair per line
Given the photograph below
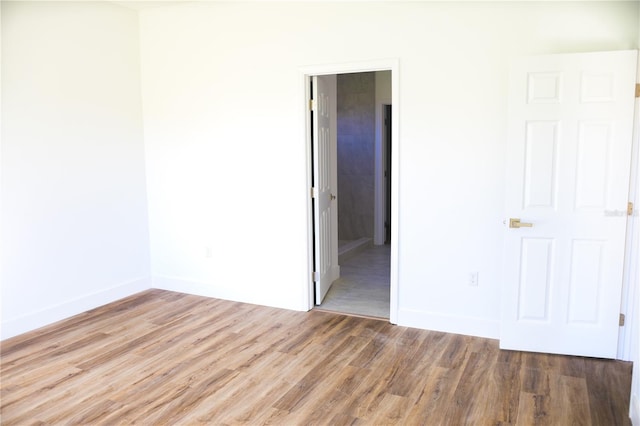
74, 212
224, 129
1, 184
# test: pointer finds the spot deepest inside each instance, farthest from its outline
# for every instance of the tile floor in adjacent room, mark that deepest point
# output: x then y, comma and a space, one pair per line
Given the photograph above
363, 286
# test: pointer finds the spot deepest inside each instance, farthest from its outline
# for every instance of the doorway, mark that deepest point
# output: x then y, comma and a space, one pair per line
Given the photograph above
363, 287
381, 188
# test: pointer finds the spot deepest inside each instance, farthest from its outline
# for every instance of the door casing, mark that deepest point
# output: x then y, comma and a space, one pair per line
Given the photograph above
306, 74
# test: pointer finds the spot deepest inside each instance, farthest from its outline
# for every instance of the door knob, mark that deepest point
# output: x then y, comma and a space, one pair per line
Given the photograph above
515, 223
332, 197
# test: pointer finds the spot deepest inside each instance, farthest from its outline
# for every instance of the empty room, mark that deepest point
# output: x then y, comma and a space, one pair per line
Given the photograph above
169, 201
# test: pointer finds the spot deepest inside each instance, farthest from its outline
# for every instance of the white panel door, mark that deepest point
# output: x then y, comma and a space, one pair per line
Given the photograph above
325, 173
569, 156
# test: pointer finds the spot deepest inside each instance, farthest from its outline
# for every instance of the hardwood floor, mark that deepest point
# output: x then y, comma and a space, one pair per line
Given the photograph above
167, 358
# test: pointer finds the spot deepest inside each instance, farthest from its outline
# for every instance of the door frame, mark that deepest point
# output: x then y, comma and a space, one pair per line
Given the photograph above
383, 144
379, 214
306, 73
631, 269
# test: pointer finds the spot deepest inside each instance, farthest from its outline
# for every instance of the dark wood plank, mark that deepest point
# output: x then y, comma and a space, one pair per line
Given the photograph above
608, 385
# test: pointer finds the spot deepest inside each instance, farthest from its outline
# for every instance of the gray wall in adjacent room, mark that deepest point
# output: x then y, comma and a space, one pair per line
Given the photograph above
356, 144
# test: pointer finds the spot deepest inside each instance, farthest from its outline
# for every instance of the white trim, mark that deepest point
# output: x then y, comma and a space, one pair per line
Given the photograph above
630, 290
308, 281
392, 65
335, 272
379, 198
214, 290
351, 67
198, 288
436, 321
34, 320
635, 410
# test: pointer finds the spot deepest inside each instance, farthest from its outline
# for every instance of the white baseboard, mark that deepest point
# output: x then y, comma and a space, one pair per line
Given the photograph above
217, 291
410, 318
197, 288
335, 272
478, 327
635, 410
34, 320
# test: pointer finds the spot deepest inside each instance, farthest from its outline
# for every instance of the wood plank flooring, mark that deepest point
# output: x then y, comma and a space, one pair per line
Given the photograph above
167, 358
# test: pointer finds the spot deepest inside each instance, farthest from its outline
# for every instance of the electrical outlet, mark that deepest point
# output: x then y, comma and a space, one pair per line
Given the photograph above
473, 279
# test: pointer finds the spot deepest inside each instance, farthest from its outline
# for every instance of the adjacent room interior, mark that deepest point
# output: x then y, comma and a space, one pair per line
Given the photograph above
363, 147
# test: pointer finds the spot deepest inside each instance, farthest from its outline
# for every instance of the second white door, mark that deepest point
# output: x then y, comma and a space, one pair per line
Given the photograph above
569, 156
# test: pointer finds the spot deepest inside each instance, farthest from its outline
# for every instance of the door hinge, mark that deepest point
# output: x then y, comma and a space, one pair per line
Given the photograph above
629, 208
314, 192
637, 90
621, 322
311, 104
315, 276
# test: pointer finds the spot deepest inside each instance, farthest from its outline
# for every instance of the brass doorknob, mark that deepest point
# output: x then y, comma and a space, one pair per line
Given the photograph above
515, 223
